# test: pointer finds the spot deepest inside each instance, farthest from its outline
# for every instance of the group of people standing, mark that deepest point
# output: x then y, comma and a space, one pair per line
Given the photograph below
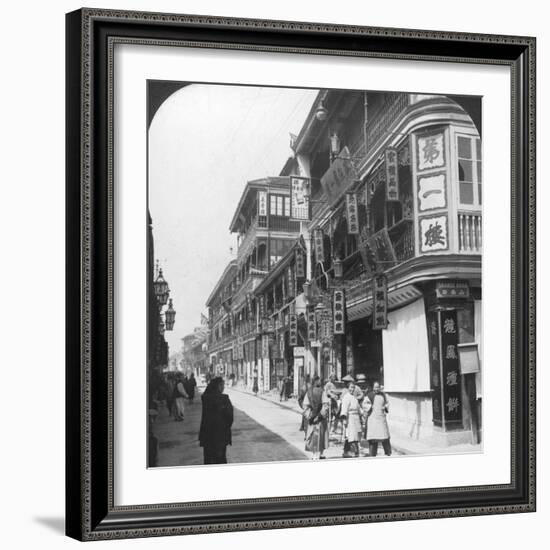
361, 413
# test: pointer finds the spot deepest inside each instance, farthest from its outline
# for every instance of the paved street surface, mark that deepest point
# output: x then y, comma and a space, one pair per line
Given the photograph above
252, 440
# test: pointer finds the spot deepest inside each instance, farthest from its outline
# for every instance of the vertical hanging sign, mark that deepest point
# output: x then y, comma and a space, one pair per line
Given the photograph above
311, 326
299, 198
325, 326
380, 302
319, 245
293, 330
435, 367
392, 177
290, 279
339, 309
262, 203
450, 372
352, 214
300, 267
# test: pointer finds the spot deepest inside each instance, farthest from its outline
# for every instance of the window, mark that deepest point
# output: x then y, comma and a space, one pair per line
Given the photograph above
469, 170
279, 205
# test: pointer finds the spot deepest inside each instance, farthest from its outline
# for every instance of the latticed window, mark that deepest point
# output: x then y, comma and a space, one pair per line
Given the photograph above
469, 170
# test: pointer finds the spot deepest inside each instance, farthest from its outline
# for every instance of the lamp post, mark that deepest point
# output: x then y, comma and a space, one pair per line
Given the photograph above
170, 316
161, 288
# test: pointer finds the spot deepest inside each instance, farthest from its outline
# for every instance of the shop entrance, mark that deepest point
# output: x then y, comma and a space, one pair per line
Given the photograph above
366, 345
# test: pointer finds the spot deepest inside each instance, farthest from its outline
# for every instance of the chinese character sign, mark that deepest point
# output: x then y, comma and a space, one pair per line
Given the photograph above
265, 346
430, 151
380, 302
392, 174
325, 326
293, 330
299, 198
450, 372
435, 366
319, 245
339, 311
433, 233
311, 326
431, 192
300, 267
290, 285
352, 214
262, 203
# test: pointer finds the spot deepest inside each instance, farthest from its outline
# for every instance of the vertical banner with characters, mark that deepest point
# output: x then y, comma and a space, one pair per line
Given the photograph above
300, 267
262, 203
293, 330
450, 380
392, 181
319, 245
299, 198
311, 325
380, 302
352, 214
435, 367
339, 311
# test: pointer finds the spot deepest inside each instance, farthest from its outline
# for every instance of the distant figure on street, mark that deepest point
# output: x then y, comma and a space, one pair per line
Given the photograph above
376, 407
179, 399
216, 422
190, 385
283, 391
255, 383
332, 395
302, 390
316, 411
351, 415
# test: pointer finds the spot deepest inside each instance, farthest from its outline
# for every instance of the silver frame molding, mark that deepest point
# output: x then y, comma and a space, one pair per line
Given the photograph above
91, 37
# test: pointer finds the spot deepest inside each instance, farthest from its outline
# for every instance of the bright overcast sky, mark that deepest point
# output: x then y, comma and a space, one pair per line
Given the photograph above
205, 143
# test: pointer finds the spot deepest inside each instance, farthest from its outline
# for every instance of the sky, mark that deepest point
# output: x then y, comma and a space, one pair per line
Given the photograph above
205, 142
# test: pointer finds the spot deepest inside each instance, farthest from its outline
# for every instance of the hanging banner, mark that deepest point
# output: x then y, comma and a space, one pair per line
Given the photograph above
299, 198
381, 246
319, 245
262, 203
290, 280
325, 325
392, 175
450, 371
339, 311
380, 302
352, 214
339, 176
300, 266
367, 255
293, 330
265, 346
249, 306
311, 326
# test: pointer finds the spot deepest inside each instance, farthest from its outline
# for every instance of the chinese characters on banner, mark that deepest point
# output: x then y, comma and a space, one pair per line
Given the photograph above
433, 233
338, 305
290, 278
392, 175
450, 380
300, 267
299, 198
380, 302
262, 203
325, 326
430, 152
352, 214
293, 330
311, 326
319, 245
445, 371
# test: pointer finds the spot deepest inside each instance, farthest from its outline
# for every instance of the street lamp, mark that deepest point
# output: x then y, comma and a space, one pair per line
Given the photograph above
161, 289
334, 145
170, 316
338, 269
321, 113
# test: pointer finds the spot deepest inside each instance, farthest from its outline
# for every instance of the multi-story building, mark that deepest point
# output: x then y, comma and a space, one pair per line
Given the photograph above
389, 285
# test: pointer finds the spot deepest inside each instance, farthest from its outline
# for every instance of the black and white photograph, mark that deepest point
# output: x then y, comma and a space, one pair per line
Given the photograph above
314, 269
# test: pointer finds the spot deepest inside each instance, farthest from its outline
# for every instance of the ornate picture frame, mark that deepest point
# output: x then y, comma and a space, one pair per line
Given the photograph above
90, 359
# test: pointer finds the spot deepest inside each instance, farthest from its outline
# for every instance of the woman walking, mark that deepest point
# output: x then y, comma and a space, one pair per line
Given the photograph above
351, 415
216, 422
179, 398
316, 412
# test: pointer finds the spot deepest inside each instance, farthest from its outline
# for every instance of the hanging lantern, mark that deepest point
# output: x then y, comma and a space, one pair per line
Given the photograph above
162, 327
161, 289
321, 113
334, 144
170, 316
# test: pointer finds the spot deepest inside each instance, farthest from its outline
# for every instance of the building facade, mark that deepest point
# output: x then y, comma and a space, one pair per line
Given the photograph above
373, 266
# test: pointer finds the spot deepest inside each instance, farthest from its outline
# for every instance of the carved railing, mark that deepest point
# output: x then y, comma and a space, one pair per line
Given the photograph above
469, 232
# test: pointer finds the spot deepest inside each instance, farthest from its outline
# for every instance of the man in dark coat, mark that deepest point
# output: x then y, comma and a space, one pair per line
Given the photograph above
216, 421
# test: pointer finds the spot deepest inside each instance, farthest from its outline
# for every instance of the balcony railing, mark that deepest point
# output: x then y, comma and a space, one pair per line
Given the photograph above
469, 232
275, 223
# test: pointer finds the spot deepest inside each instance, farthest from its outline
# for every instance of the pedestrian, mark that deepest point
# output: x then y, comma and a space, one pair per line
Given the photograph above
255, 383
376, 407
332, 395
170, 401
282, 389
216, 422
304, 387
316, 412
179, 398
351, 415
190, 386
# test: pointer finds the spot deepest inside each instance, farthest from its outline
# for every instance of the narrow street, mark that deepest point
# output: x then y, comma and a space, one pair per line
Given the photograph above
252, 440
